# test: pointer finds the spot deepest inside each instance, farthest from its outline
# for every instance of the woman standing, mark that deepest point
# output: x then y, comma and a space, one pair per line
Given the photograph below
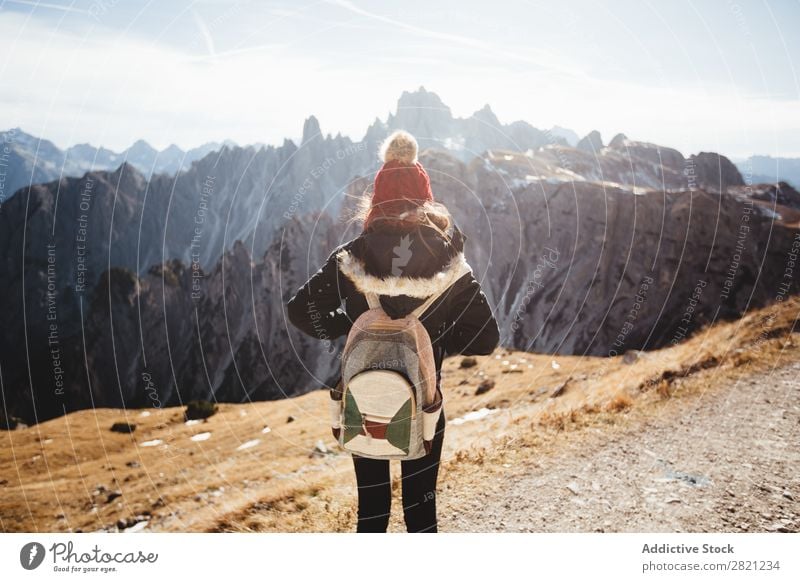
408, 251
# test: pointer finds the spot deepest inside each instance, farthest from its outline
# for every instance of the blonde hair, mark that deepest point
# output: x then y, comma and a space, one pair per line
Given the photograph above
400, 146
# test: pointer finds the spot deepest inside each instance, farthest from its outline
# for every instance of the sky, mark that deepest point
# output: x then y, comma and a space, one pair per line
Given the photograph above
697, 75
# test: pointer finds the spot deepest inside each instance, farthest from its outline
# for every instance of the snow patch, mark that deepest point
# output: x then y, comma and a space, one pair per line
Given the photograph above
769, 213
454, 143
248, 445
474, 415
138, 526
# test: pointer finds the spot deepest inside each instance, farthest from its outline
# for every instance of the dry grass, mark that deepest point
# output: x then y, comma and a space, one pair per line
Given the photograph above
620, 403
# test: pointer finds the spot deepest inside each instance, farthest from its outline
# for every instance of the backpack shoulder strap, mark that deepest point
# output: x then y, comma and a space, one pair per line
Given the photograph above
372, 300
427, 303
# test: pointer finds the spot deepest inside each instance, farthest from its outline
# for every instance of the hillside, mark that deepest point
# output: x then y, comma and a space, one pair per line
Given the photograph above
662, 440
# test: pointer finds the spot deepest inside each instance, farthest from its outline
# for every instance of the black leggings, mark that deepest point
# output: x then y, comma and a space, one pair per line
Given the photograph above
418, 485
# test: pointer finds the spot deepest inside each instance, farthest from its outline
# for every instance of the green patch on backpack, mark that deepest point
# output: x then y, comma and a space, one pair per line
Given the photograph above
352, 417
398, 433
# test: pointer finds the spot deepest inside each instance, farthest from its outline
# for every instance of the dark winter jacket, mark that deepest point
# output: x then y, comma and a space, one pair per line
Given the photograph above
403, 268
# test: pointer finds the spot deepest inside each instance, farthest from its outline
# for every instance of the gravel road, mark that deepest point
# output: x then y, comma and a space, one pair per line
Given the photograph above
727, 460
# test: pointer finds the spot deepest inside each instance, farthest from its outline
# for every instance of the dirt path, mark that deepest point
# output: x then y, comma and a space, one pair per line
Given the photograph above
726, 460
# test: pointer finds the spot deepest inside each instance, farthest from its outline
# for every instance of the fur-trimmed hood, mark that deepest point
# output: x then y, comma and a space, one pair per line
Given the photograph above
403, 267
393, 285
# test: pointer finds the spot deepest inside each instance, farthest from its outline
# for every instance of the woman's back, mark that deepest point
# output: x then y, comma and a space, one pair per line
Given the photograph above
408, 256
403, 264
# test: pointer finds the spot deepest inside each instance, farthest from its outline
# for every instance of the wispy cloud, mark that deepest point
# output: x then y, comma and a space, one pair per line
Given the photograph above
205, 33
109, 87
529, 55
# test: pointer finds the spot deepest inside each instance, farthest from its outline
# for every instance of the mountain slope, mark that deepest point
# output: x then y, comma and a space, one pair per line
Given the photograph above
185, 278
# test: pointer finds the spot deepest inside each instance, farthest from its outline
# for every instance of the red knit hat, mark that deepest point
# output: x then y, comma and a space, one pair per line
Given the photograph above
402, 182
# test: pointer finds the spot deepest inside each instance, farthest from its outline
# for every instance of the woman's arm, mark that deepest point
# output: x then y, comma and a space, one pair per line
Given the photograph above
473, 328
316, 307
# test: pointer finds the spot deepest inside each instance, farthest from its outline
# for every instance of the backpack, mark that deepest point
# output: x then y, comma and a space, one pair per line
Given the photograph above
388, 403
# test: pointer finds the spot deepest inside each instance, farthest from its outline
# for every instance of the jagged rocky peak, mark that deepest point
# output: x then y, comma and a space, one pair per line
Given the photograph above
126, 177
310, 130
16, 136
375, 128
126, 172
421, 99
141, 147
618, 143
287, 145
375, 133
487, 116
239, 252
423, 114
592, 142
715, 171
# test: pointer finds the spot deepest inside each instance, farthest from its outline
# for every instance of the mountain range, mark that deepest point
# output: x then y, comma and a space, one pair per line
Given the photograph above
128, 288
27, 160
